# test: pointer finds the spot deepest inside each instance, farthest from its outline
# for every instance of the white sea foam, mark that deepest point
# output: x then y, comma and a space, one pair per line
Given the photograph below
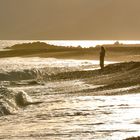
17, 68
17, 63
63, 115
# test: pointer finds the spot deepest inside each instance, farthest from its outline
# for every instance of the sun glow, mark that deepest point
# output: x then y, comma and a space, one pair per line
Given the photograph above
89, 43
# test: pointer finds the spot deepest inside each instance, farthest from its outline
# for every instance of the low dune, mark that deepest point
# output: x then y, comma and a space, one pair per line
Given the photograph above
119, 78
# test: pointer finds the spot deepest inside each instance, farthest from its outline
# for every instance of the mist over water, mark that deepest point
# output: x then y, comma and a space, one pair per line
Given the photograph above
89, 43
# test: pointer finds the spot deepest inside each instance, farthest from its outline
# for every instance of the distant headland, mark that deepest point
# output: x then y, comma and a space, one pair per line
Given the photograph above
115, 52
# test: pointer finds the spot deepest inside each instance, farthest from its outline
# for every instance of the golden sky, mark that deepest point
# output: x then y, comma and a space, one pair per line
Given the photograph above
70, 19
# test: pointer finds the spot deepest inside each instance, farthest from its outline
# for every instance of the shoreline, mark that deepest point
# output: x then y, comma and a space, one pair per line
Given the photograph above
66, 94
43, 50
115, 79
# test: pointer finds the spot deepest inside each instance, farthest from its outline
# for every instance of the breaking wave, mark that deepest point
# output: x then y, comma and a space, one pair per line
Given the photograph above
50, 73
56, 73
13, 69
35, 73
11, 101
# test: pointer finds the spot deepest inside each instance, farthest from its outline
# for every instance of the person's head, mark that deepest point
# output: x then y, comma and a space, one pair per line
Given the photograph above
102, 47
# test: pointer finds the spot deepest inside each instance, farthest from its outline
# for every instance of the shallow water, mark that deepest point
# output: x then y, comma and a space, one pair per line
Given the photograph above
18, 63
66, 116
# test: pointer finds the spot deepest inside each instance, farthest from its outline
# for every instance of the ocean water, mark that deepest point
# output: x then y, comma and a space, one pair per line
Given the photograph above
62, 115
66, 117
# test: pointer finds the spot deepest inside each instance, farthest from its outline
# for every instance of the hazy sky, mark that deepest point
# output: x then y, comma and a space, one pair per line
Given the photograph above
70, 19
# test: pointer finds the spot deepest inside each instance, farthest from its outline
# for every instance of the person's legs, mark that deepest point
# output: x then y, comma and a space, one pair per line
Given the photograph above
102, 63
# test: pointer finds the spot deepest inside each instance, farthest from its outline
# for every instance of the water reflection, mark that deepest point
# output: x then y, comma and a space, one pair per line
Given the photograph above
76, 117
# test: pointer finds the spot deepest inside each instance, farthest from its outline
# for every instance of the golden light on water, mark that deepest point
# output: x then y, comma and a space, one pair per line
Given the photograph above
89, 43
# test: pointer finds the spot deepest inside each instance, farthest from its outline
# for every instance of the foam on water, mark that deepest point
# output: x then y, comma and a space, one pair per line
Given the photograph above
11, 101
62, 115
37, 62
76, 117
32, 68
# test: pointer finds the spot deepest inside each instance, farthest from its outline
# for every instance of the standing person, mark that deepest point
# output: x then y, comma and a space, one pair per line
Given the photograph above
102, 55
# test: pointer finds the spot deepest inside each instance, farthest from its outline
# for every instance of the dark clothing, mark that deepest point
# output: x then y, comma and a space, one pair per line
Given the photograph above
102, 55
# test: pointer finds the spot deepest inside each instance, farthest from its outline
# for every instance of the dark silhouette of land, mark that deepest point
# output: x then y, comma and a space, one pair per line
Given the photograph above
133, 138
39, 49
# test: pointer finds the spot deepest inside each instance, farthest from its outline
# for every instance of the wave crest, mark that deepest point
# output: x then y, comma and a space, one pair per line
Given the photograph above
11, 101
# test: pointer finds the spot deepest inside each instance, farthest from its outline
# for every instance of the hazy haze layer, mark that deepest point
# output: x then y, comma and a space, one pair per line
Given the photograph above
70, 19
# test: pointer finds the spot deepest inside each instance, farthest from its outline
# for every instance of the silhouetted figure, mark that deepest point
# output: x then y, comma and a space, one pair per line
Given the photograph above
102, 56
